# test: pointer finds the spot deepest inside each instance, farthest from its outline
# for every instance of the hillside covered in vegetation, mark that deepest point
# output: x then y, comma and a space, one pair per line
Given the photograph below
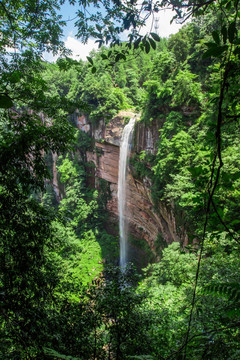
62, 294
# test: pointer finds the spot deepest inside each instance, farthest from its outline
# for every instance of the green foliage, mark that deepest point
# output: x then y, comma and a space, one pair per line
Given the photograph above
164, 62
79, 208
5, 102
27, 275
183, 168
56, 355
140, 252
179, 46
141, 357
186, 90
104, 99
176, 267
169, 286
231, 291
50, 256
124, 318
141, 165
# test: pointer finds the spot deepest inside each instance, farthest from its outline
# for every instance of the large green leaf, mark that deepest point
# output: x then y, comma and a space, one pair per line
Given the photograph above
5, 102
232, 31
215, 51
155, 36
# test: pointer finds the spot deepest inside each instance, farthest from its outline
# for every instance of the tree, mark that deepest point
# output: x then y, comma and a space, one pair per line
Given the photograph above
30, 27
27, 275
169, 286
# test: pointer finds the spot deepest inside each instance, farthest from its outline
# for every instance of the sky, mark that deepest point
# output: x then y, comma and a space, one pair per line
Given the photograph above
81, 51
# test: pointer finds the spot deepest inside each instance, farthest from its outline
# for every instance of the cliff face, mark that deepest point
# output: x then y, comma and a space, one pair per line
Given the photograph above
145, 221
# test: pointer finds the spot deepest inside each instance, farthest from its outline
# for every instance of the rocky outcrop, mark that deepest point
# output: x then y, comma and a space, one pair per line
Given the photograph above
146, 136
145, 220
105, 157
55, 181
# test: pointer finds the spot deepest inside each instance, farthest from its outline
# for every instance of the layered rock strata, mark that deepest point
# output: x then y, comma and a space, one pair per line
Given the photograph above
144, 219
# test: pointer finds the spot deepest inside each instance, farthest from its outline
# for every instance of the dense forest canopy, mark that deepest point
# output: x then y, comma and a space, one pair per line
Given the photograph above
58, 298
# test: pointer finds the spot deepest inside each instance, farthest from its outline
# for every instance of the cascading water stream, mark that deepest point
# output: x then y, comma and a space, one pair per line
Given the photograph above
122, 188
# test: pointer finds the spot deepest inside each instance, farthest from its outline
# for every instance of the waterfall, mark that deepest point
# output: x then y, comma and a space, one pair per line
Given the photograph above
122, 188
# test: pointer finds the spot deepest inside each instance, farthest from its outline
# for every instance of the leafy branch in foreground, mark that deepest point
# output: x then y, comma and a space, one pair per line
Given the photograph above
225, 54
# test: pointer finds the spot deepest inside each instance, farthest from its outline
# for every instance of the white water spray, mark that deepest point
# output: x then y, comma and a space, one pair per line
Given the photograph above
122, 187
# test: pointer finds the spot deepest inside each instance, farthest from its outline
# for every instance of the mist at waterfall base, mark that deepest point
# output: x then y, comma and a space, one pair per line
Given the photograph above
122, 189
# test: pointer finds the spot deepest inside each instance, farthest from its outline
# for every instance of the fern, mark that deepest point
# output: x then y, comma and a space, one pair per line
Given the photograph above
229, 290
141, 357
56, 355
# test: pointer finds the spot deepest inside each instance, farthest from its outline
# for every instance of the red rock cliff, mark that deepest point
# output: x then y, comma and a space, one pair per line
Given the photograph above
145, 221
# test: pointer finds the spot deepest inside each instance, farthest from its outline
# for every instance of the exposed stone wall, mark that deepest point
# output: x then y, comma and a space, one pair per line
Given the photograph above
146, 136
55, 182
144, 220
105, 157
147, 221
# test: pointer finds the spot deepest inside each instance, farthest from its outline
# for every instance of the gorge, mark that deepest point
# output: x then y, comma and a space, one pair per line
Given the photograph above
146, 220
63, 294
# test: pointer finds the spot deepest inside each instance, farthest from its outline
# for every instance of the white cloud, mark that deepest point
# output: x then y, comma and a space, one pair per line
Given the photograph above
46, 56
79, 50
162, 20
12, 50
